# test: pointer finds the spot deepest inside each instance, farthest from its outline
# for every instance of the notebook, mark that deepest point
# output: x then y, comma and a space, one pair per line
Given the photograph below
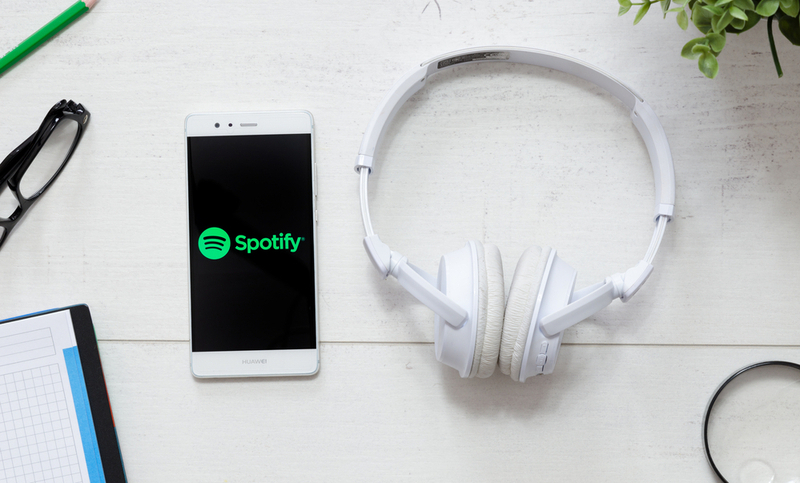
56, 424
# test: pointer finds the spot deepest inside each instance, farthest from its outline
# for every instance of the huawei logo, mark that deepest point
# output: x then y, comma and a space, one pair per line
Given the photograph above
254, 361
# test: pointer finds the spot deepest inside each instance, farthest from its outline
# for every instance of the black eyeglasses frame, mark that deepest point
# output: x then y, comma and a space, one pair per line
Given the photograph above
16, 164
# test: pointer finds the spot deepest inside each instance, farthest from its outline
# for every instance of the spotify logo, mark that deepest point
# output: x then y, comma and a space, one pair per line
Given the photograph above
214, 243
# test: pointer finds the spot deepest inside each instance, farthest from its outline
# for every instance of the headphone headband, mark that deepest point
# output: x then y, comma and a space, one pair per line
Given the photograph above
590, 300
642, 114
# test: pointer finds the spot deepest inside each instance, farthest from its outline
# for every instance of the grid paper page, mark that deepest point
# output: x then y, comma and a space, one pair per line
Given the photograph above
36, 442
40, 437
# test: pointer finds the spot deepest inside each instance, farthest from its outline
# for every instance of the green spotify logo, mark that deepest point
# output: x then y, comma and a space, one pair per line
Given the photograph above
214, 243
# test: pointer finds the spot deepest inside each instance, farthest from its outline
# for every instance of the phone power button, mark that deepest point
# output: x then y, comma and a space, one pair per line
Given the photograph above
316, 218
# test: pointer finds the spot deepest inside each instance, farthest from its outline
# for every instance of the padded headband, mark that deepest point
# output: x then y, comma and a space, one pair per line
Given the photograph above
422, 285
642, 114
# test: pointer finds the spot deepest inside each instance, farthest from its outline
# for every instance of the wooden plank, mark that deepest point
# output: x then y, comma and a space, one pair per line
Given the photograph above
380, 412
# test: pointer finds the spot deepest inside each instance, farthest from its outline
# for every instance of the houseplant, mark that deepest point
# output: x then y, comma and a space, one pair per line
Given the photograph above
717, 18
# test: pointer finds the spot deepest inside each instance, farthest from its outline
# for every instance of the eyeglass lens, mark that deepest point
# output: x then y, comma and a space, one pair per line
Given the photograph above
52, 155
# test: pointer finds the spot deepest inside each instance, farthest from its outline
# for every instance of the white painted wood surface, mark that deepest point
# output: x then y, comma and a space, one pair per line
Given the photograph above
511, 155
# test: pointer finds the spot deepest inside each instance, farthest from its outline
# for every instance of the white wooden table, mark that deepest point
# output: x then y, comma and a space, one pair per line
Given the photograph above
511, 155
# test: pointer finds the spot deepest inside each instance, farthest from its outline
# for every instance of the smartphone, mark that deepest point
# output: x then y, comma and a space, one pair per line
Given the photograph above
251, 192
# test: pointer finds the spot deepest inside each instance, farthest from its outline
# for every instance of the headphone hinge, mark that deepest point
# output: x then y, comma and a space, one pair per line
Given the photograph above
379, 253
634, 278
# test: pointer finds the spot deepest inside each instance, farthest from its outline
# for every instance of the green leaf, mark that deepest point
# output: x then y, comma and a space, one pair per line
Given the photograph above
790, 28
623, 10
752, 19
712, 3
745, 4
701, 18
736, 24
714, 10
716, 41
720, 24
767, 8
688, 50
641, 13
790, 7
736, 12
722, 3
708, 65
665, 7
683, 19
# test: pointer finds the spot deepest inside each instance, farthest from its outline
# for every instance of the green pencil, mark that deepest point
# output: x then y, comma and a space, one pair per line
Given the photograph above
44, 33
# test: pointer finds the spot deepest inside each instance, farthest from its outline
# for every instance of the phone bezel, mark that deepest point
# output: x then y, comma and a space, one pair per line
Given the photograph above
259, 363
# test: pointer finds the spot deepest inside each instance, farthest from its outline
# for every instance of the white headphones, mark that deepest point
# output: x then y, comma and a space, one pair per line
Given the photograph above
474, 328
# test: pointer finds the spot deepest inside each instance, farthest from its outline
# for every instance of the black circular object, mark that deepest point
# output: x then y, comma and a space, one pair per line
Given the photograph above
716, 395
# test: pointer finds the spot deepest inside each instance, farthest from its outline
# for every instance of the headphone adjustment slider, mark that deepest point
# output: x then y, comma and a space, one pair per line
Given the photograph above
364, 161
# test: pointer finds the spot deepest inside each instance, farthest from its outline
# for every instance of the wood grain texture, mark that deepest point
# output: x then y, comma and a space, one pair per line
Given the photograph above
510, 155
391, 412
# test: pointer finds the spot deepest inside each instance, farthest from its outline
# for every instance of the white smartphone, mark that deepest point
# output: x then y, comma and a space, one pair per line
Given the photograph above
251, 192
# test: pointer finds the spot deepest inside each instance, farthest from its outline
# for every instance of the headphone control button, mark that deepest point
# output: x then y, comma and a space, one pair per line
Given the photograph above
543, 348
540, 361
540, 369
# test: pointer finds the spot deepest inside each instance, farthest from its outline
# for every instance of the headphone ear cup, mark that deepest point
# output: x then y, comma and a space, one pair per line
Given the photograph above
520, 307
487, 344
472, 277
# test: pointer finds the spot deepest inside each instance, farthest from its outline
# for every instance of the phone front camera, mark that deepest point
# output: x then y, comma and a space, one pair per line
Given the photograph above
216, 125
230, 124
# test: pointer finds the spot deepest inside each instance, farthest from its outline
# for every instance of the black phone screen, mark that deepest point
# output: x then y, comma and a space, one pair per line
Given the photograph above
251, 242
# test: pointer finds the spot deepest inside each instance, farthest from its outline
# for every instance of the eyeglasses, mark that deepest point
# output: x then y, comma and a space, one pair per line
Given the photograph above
36, 163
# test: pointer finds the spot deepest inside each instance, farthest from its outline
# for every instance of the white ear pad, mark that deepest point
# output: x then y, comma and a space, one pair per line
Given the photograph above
520, 307
492, 306
480, 317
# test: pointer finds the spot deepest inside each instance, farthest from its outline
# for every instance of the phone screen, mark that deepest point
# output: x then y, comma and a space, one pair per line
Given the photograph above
251, 237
